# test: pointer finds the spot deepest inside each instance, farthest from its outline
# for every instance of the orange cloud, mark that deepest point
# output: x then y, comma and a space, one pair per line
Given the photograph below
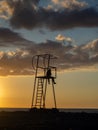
5, 10
69, 4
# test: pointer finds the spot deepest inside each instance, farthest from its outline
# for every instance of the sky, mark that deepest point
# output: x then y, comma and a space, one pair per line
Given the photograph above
67, 29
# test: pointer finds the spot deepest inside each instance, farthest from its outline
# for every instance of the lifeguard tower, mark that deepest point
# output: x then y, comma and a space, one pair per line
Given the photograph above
41, 64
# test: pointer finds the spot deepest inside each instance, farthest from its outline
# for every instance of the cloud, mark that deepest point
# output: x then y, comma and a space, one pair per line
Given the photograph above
6, 34
63, 20
23, 2
42, 31
5, 10
64, 39
69, 4
29, 15
69, 57
15, 64
60, 37
54, 20
23, 13
91, 46
19, 61
9, 38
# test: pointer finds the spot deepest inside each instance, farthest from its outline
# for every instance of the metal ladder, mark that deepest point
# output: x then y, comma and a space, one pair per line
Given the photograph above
39, 93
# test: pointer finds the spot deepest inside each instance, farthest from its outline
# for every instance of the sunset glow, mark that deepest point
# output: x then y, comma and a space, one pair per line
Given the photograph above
1, 92
78, 93
67, 29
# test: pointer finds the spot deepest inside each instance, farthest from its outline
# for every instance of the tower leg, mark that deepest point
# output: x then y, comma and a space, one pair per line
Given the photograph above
33, 93
44, 97
54, 95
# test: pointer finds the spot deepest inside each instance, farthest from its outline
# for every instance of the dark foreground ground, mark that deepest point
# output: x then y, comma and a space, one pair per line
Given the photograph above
48, 120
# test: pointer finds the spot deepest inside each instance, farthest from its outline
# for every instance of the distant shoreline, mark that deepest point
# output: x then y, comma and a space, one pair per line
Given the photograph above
87, 110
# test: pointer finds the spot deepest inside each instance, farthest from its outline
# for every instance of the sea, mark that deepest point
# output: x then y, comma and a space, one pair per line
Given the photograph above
74, 110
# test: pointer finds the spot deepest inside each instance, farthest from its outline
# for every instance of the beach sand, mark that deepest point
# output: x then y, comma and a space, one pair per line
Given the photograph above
48, 119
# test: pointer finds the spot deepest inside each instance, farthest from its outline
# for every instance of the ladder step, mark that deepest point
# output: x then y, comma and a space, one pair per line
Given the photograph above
40, 81
38, 102
39, 89
38, 105
38, 96
38, 99
40, 85
39, 93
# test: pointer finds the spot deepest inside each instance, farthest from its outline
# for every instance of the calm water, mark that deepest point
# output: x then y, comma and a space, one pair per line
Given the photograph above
61, 110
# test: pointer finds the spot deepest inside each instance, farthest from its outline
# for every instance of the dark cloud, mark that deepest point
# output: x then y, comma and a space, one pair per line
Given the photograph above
24, 13
94, 59
10, 38
8, 35
19, 62
26, 16
24, 19
83, 18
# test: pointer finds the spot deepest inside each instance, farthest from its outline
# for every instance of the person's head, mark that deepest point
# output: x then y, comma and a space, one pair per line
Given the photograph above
49, 69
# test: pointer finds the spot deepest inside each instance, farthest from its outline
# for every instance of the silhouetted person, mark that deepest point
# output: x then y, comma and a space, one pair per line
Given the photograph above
49, 76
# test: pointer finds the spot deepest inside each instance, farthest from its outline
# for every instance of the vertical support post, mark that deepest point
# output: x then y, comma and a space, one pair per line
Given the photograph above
35, 83
54, 95
44, 96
